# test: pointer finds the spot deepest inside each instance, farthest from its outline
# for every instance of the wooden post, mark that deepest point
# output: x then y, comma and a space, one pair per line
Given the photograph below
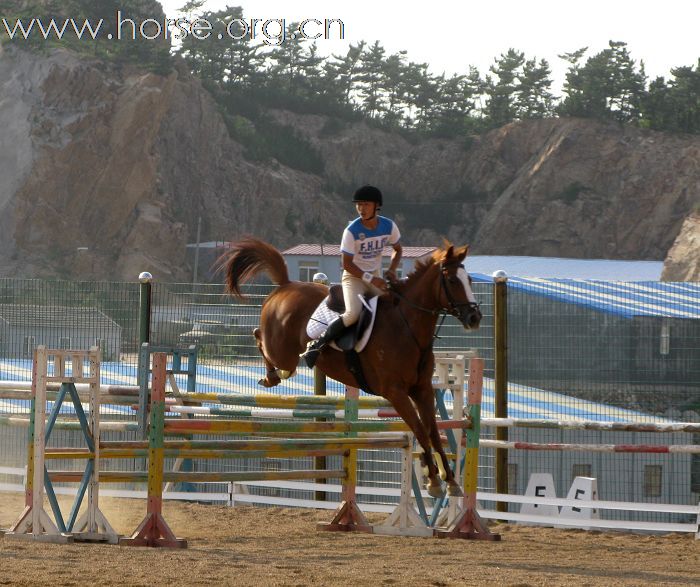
154, 530
145, 295
470, 525
93, 525
500, 295
34, 523
348, 517
320, 462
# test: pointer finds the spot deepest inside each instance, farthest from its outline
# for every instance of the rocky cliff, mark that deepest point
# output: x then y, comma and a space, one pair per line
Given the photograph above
106, 169
683, 260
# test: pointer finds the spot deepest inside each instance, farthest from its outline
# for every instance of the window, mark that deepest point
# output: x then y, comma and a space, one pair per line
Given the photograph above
64, 343
652, 480
581, 470
307, 270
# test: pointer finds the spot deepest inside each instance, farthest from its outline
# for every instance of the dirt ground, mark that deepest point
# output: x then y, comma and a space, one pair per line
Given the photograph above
280, 546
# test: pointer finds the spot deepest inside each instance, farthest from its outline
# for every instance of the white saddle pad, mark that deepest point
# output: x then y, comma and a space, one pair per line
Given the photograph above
323, 316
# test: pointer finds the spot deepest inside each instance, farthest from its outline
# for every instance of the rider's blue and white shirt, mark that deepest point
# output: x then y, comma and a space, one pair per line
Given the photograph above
366, 245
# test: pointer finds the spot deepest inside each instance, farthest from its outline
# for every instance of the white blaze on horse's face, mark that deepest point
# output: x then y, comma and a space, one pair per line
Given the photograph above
464, 278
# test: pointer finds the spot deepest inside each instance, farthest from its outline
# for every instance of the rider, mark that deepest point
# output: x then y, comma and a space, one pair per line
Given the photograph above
362, 245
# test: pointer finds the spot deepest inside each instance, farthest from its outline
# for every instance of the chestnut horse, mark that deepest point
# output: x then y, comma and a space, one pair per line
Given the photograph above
398, 360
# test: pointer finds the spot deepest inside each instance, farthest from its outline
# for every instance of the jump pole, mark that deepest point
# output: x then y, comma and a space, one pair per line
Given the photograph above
469, 524
154, 530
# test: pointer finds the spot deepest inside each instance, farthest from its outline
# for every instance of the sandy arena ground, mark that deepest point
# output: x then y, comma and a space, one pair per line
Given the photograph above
280, 546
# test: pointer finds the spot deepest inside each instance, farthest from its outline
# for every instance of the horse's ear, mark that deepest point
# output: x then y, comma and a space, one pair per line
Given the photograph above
448, 249
462, 252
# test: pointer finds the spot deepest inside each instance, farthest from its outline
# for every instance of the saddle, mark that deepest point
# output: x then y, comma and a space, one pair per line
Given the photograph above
356, 336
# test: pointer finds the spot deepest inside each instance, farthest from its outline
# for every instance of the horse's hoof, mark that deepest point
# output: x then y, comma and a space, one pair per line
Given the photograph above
436, 490
269, 382
455, 491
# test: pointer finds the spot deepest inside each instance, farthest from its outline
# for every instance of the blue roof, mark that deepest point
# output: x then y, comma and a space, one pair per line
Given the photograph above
627, 299
551, 267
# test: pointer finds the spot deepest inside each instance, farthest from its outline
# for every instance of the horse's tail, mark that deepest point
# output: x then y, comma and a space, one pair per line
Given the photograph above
246, 259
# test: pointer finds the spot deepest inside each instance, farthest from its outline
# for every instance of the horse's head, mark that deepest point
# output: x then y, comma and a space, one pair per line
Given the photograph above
456, 296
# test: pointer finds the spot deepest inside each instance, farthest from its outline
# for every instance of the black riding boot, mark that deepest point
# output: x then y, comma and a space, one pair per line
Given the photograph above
313, 349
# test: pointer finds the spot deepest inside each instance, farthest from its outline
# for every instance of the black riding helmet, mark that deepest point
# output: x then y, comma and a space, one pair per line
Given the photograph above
368, 193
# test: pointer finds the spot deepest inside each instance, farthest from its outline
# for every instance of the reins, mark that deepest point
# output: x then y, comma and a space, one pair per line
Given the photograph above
453, 310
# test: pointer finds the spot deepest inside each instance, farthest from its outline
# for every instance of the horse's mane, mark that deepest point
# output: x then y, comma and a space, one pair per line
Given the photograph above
420, 269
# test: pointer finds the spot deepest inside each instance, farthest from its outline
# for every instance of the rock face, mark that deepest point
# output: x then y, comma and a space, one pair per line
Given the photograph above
105, 171
558, 187
683, 261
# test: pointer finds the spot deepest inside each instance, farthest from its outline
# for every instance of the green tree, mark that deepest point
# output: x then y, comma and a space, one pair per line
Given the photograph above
371, 80
674, 106
341, 73
608, 86
534, 99
503, 90
573, 104
394, 88
290, 61
454, 106
207, 58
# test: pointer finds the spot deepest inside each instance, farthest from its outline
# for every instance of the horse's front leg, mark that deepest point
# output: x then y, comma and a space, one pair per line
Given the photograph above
424, 398
407, 411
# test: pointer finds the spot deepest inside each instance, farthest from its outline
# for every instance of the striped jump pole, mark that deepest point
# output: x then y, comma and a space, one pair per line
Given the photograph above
154, 530
469, 524
173, 427
608, 448
663, 427
300, 413
113, 426
263, 400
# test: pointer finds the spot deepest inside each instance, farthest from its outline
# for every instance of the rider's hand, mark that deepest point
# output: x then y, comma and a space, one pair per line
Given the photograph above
379, 282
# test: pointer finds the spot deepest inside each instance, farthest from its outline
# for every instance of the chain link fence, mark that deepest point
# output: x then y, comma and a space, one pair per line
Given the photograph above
566, 359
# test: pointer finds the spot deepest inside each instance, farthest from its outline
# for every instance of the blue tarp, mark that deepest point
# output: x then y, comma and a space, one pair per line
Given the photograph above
627, 299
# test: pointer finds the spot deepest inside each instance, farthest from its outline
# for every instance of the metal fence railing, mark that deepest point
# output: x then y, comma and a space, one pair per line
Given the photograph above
569, 356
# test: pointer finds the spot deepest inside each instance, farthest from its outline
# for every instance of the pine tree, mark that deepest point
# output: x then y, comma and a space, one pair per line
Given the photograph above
371, 80
502, 91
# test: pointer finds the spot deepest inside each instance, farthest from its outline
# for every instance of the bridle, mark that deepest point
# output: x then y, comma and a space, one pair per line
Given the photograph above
457, 309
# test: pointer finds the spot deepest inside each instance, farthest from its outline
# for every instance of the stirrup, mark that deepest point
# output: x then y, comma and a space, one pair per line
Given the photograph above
309, 348
311, 354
